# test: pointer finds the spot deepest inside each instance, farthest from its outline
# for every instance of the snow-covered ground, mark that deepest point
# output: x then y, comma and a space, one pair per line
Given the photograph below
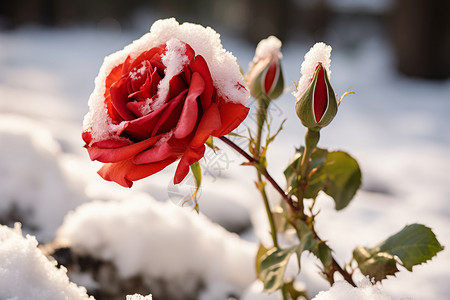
396, 127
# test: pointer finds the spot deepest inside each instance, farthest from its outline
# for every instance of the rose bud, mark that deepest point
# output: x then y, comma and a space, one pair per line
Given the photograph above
159, 99
316, 103
265, 77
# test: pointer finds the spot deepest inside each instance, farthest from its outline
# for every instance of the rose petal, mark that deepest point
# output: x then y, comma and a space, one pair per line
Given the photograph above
320, 100
270, 76
168, 146
200, 66
111, 154
210, 122
144, 127
231, 115
176, 86
171, 114
125, 172
188, 118
191, 156
119, 99
154, 54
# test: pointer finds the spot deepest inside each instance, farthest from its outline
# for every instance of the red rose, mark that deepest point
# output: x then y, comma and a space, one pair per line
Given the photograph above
159, 104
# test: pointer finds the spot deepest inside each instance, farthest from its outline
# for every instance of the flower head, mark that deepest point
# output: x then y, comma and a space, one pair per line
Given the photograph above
265, 76
159, 99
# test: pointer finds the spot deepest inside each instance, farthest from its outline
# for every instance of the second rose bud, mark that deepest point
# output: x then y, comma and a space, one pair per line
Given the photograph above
265, 77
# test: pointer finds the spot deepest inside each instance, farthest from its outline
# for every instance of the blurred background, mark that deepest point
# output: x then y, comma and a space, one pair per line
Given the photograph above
418, 30
393, 53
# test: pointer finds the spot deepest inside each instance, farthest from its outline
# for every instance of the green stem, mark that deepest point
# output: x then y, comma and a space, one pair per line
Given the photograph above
261, 115
311, 139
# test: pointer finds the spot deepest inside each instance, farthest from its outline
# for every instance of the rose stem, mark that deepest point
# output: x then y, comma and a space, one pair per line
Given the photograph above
261, 114
288, 199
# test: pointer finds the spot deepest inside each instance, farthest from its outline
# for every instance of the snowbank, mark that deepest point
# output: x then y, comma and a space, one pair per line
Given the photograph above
162, 243
342, 290
34, 188
26, 274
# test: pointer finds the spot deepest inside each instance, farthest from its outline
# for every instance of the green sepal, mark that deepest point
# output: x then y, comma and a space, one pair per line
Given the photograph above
279, 85
197, 173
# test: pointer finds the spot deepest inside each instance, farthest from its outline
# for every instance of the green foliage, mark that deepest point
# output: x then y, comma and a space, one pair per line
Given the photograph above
271, 265
336, 173
413, 245
343, 177
197, 172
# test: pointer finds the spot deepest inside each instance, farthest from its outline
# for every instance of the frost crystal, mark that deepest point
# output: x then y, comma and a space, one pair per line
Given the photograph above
319, 53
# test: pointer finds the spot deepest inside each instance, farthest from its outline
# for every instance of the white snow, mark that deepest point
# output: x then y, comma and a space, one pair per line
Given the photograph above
319, 53
33, 183
342, 290
268, 47
206, 42
160, 241
25, 273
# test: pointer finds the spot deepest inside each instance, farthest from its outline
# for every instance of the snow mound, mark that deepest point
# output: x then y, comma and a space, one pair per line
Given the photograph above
162, 243
25, 273
342, 290
34, 188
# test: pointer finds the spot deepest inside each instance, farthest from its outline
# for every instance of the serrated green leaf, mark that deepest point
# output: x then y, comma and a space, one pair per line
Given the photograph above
377, 266
273, 266
336, 173
413, 245
343, 177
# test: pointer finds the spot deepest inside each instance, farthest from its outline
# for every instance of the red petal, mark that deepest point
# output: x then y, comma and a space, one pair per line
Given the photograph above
200, 66
320, 100
116, 154
155, 154
231, 115
270, 76
210, 121
125, 172
171, 114
146, 126
119, 99
191, 156
188, 118
153, 54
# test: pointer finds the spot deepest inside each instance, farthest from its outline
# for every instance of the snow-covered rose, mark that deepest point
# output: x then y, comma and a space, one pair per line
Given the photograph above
265, 77
159, 99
